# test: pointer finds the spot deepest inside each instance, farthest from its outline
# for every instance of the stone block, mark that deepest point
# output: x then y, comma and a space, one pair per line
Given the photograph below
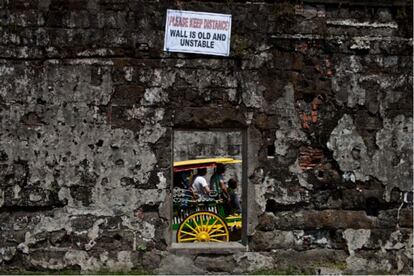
277, 239
312, 219
216, 264
390, 218
309, 259
253, 262
173, 264
127, 95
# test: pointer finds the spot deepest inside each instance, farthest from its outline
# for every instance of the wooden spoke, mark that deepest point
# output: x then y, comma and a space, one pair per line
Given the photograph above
202, 226
188, 233
218, 235
216, 240
196, 224
189, 226
211, 227
188, 239
217, 229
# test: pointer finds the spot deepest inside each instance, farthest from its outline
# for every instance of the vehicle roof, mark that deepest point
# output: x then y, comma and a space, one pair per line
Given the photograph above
203, 163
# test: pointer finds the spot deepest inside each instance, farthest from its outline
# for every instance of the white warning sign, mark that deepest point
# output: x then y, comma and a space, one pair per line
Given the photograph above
197, 32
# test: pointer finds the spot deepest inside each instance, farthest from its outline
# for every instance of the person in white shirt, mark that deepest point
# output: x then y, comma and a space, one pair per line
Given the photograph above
200, 185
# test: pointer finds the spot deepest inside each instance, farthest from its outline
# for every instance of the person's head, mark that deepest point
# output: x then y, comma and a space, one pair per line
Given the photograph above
202, 171
220, 169
232, 183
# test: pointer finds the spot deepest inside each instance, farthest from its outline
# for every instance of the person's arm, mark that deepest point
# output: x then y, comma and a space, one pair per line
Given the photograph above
235, 202
223, 186
205, 185
193, 194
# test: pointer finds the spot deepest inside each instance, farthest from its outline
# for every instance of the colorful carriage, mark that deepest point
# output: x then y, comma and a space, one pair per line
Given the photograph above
202, 219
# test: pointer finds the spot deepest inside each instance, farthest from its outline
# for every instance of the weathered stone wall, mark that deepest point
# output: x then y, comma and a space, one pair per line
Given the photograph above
210, 144
207, 144
88, 103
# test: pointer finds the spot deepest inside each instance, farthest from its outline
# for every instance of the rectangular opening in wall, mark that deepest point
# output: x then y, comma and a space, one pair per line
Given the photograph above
208, 188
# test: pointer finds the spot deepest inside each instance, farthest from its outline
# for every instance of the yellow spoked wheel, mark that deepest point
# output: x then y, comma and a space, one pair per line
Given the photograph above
203, 227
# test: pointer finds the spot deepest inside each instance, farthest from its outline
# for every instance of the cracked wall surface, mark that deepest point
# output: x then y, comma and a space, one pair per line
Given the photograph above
89, 103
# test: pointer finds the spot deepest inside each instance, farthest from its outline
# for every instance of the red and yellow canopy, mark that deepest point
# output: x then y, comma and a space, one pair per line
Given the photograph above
202, 163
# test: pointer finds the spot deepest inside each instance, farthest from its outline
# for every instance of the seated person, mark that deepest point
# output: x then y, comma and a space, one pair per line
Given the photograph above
234, 202
200, 185
185, 179
217, 180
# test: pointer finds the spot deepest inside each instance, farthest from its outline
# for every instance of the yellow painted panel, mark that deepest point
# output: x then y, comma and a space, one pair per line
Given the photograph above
206, 161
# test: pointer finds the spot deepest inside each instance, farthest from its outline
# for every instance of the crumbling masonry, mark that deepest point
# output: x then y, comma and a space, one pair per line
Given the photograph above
89, 101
